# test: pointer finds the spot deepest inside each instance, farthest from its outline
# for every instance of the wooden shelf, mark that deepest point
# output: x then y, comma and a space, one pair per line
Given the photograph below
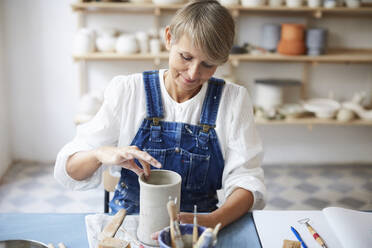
335, 56
314, 121
317, 12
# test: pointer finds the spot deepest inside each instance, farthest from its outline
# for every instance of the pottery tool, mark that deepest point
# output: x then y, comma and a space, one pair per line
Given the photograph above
51, 246
111, 228
110, 242
298, 236
176, 238
195, 229
206, 239
313, 232
131, 237
291, 244
215, 233
61, 245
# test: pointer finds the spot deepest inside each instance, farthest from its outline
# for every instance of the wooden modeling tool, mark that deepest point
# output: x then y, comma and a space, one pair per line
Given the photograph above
106, 237
195, 234
313, 232
206, 239
176, 238
215, 233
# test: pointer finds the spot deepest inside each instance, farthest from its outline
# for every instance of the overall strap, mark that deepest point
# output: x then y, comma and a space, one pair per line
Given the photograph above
211, 102
154, 104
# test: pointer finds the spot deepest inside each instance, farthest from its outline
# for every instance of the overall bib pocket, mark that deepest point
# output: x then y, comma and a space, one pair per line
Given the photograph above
197, 169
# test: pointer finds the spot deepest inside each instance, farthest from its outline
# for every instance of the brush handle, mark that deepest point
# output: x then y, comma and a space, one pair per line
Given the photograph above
171, 207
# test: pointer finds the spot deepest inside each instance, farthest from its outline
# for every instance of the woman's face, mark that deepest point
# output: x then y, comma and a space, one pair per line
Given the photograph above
188, 66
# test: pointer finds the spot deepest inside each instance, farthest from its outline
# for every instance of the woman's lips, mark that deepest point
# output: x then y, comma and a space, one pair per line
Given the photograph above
188, 80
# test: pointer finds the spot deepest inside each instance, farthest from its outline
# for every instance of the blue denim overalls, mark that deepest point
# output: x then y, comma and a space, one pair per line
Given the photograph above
193, 151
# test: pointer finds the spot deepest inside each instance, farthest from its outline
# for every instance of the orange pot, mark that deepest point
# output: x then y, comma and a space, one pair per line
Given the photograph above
292, 47
292, 31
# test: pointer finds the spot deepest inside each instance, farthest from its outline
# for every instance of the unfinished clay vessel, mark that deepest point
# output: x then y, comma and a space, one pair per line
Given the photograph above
154, 196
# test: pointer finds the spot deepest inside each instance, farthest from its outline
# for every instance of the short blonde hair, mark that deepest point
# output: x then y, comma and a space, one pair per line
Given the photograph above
210, 27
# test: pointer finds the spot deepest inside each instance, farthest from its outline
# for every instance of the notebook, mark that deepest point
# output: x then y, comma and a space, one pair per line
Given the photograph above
338, 227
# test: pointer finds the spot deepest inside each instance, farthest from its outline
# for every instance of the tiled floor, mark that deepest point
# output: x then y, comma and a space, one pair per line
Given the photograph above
32, 188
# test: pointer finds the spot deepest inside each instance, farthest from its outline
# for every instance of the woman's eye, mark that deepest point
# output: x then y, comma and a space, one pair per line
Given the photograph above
185, 58
207, 65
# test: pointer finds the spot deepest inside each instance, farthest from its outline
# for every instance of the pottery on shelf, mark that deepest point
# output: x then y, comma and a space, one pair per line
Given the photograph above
269, 92
291, 110
229, 2
167, 1
294, 3
270, 36
275, 3
352, 3
84, 41
126, 44
292, 39
316, 39
253, 3
322, 107
345, 115
358, 109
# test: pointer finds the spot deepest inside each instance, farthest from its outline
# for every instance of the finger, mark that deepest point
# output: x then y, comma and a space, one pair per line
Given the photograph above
146, 168
131, 165
141, 155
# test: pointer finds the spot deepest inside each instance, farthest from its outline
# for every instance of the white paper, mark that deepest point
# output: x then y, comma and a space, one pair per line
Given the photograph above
275, 226
352, 228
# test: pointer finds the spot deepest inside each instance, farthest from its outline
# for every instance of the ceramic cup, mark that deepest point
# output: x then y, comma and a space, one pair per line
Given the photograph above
186, 232
155, 46
270, 36
154, 196
316, 41
314, 3
84, 41
294, 3
330, 3
275, 3
253, 3
229, 2
353, 3
143, 41
126, 44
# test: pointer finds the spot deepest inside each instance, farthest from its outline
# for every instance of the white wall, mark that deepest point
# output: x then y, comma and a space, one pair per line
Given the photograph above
44, 87
5, 158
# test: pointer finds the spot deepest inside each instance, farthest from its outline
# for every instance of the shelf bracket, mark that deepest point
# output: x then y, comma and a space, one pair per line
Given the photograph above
318, 14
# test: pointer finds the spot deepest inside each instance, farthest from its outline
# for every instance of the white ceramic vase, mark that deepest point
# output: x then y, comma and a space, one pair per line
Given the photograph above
84, 41
126, 44
106, 43
314, 3
294, 3
154, 196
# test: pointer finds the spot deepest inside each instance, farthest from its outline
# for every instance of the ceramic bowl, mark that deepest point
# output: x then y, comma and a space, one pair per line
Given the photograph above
186, 232
358, 109
292, 110
126, 44
322, 107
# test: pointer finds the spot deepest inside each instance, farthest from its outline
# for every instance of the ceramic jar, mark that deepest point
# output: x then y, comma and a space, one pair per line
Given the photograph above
316, 41
330, 3
167, 1
143, 42
314, 3
126, 44
292, 39
353, 3
229, 2
253, 3
270, 36
155, 46
154, 196
84, 41
294, 3
275, 3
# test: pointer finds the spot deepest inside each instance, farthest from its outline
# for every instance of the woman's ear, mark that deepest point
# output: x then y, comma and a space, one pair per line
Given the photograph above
168, 38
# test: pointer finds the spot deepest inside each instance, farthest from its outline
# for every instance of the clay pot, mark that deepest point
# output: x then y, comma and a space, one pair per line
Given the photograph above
292, 31
291, 47
292, 39
316, 41
154, 196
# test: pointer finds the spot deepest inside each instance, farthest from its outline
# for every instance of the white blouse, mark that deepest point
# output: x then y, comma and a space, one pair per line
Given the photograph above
124, 109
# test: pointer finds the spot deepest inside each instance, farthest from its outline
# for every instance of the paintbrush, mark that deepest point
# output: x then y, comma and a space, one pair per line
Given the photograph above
215, 232
176, 238
195, 230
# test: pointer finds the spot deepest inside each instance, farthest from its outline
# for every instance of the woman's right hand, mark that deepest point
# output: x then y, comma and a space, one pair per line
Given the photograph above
124, 156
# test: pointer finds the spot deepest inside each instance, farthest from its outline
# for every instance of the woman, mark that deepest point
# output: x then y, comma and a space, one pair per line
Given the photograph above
180, 119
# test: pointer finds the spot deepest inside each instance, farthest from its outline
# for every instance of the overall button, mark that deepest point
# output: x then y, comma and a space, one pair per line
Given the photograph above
123, 185
177, 149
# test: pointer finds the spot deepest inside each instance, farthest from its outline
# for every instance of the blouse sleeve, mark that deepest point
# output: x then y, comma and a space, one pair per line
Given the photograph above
102, 130
244, 152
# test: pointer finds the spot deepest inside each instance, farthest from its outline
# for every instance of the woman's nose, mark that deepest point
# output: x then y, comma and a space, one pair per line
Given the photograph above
193, 71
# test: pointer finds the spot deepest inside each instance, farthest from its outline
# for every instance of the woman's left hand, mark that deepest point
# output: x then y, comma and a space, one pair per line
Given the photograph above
203, 219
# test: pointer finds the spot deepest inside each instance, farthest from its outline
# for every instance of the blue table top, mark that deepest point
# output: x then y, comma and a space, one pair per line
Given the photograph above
70, 229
